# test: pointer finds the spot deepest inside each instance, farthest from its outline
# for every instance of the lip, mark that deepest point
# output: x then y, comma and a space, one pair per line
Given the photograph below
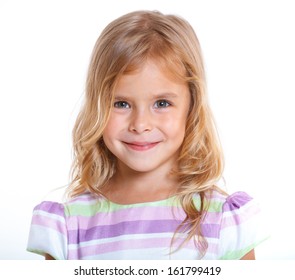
141, 146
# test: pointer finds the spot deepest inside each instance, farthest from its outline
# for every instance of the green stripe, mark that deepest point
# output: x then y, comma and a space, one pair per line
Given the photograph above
104, 206
236, 255
214, 206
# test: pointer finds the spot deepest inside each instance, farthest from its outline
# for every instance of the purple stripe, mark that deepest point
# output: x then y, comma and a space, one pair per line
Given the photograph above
124, 228
134, 227
236, 201
51, 207
125, 215
211, 230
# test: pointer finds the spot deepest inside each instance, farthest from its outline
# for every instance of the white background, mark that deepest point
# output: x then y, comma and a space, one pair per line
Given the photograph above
248, 48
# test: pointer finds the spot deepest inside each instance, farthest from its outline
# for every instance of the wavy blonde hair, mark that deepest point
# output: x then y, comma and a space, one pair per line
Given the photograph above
123, 46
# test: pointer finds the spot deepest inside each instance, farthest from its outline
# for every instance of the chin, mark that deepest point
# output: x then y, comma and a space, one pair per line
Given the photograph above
142, 169
139, 167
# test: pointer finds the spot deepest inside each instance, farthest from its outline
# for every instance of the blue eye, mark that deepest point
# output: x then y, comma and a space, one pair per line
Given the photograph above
162, 104
121, 105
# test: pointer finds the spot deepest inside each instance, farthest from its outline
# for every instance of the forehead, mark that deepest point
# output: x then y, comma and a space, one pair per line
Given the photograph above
171, 67
150, 77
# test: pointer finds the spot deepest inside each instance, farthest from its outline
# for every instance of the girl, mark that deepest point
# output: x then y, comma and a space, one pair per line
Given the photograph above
147, 157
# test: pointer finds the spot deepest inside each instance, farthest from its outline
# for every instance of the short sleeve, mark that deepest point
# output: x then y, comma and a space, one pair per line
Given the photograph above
48, 232
241, 228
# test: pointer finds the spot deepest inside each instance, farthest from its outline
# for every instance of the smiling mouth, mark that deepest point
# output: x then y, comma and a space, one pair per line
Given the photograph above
141, 146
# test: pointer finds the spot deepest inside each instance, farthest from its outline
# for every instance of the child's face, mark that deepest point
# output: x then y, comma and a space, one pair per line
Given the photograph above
147, 123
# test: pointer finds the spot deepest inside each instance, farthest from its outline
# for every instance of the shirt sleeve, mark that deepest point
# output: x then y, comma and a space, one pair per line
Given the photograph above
241, 228
48, 232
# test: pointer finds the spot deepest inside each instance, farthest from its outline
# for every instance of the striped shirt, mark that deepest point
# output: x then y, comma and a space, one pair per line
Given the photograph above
91, 227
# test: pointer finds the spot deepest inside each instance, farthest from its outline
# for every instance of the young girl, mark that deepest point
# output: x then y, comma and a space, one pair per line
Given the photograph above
147, 157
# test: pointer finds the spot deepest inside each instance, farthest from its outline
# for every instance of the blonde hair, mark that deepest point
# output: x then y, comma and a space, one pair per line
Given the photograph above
123, 46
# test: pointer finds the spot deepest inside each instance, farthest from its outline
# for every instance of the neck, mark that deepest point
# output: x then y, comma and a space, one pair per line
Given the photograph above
141, 186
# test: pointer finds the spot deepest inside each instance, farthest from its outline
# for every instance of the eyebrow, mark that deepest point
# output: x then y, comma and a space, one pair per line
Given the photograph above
165, 95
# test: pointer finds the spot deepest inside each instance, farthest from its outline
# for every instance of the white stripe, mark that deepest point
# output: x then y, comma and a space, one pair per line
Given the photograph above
49, 215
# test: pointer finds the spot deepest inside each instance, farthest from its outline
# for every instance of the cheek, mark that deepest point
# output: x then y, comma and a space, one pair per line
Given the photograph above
174, 125
174, 129
111, 128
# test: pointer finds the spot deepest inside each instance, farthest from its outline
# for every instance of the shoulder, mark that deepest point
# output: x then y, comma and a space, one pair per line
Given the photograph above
50, 215
227, 209
219, 201
48, 231
234, 222
53, 223
65, 208
50, 207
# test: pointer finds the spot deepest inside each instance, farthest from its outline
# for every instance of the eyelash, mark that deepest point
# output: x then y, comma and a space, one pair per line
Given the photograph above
120, 105
163, 101
124, 104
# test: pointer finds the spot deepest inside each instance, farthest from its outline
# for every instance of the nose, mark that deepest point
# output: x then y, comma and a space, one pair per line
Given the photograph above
141, 121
